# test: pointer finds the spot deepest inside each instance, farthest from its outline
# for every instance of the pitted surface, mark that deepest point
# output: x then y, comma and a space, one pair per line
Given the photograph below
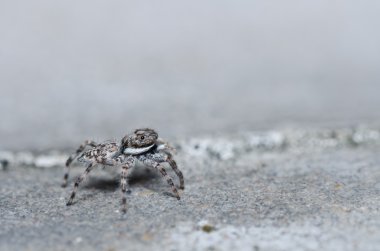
279, 199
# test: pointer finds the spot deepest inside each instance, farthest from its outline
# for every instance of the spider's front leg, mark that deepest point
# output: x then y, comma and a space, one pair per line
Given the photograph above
163, 156
151, 162
178, 172
74, 156
127, 165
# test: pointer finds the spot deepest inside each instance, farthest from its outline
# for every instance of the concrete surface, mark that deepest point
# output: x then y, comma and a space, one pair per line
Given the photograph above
289, 189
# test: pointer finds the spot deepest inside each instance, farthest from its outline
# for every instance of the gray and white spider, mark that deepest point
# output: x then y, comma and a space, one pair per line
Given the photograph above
143, 145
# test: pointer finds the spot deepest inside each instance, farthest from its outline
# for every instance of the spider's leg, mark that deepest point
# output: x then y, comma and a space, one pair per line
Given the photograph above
78, 181
178, 172
127, 164
73, 157
162, 156
162, 170
124, 182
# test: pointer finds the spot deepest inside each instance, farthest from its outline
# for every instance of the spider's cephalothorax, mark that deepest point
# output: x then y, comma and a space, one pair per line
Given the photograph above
143, 145
140, 138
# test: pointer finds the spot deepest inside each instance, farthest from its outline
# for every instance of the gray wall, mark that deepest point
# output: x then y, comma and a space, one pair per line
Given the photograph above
76, 69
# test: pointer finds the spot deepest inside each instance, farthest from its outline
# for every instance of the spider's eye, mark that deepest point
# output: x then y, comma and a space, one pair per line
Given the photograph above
142, 137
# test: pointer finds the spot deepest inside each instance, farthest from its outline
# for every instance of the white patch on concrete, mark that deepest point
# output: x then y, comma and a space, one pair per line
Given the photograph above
191, 237
47, 161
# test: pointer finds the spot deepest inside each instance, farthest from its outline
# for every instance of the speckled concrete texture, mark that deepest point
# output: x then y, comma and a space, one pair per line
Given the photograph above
311, 190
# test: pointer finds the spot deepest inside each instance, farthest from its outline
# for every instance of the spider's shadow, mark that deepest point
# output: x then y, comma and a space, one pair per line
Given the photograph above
137, 177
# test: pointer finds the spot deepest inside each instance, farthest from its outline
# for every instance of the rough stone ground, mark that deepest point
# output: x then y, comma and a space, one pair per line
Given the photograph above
283, 190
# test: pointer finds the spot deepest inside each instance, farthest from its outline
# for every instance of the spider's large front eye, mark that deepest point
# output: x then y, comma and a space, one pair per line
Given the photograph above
142, 137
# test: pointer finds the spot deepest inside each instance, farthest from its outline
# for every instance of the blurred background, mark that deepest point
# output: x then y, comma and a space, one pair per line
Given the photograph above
72, 70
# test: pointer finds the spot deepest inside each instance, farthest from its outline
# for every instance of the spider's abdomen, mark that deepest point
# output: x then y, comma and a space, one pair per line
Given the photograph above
100, 153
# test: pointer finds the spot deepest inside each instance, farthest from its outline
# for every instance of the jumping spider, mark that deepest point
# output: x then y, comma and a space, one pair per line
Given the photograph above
143, 145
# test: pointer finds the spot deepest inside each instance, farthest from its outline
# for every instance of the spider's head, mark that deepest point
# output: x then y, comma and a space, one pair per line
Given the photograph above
141, 138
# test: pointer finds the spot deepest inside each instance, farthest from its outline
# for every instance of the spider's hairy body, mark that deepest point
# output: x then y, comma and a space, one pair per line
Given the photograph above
143, 145
100, 153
